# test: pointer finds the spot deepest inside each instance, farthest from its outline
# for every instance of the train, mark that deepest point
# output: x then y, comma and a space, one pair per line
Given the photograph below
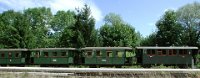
101, 56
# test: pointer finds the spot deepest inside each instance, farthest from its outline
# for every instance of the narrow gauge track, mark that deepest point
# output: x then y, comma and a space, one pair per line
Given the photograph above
106, 72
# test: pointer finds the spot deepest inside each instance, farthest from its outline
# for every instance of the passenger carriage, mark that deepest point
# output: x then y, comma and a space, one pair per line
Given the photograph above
13, 57
179, 56
106, 56
53, 56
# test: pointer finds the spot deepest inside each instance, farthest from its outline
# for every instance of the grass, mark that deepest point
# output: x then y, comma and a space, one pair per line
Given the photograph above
165, 67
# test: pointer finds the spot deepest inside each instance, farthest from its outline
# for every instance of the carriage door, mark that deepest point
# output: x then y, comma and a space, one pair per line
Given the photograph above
77, 57
27, 57
109, 57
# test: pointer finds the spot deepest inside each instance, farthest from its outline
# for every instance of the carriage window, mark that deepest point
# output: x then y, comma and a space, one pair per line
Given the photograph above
151, 52
54, 53
148, 52
2, 55
37, 54
9, 54
109, 54
64, 54
46, 54
16, 54
183, 52
89, 54
164, 52
98, 53
172, 52
120, 54
159, 52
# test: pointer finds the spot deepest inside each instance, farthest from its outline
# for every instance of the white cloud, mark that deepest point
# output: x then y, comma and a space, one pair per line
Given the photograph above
55, 5
66, 4
170, 9
151, 24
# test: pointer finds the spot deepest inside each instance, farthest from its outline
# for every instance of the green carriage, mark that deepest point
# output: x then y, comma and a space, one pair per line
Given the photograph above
13, 56
179, 56
106, 56
53, 56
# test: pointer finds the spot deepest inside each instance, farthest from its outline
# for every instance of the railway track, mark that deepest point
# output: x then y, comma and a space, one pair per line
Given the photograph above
102, 72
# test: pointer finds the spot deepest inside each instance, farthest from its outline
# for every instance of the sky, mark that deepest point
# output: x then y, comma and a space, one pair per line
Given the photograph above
141, 14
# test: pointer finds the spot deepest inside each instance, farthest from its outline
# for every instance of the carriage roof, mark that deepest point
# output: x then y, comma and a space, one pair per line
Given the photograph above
167, 47
52, 49
3, 50
107, 48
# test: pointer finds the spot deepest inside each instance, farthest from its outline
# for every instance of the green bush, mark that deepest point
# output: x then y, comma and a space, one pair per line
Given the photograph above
133, 66
198, 60
162, 66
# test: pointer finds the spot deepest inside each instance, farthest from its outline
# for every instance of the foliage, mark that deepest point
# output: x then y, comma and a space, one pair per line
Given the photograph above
180, 28
115, 32
197, 60
9, 36
66, 38
60, 21
14, 30
37, 27
169, 31
39, 20
139, 39
189, 18
149, 40
82, 33
85, 23
162, 66
133, 66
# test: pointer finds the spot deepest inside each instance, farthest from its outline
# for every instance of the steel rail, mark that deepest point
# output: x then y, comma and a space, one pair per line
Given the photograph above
89, 70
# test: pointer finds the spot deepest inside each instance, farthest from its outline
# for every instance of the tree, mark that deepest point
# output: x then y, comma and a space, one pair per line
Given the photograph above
9, 36
139, 39
15, 32
39, 20
115, 32
66, 38
189, 18
169, 31
85, 24
24, 31
60, 21
82, 33
149, 40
